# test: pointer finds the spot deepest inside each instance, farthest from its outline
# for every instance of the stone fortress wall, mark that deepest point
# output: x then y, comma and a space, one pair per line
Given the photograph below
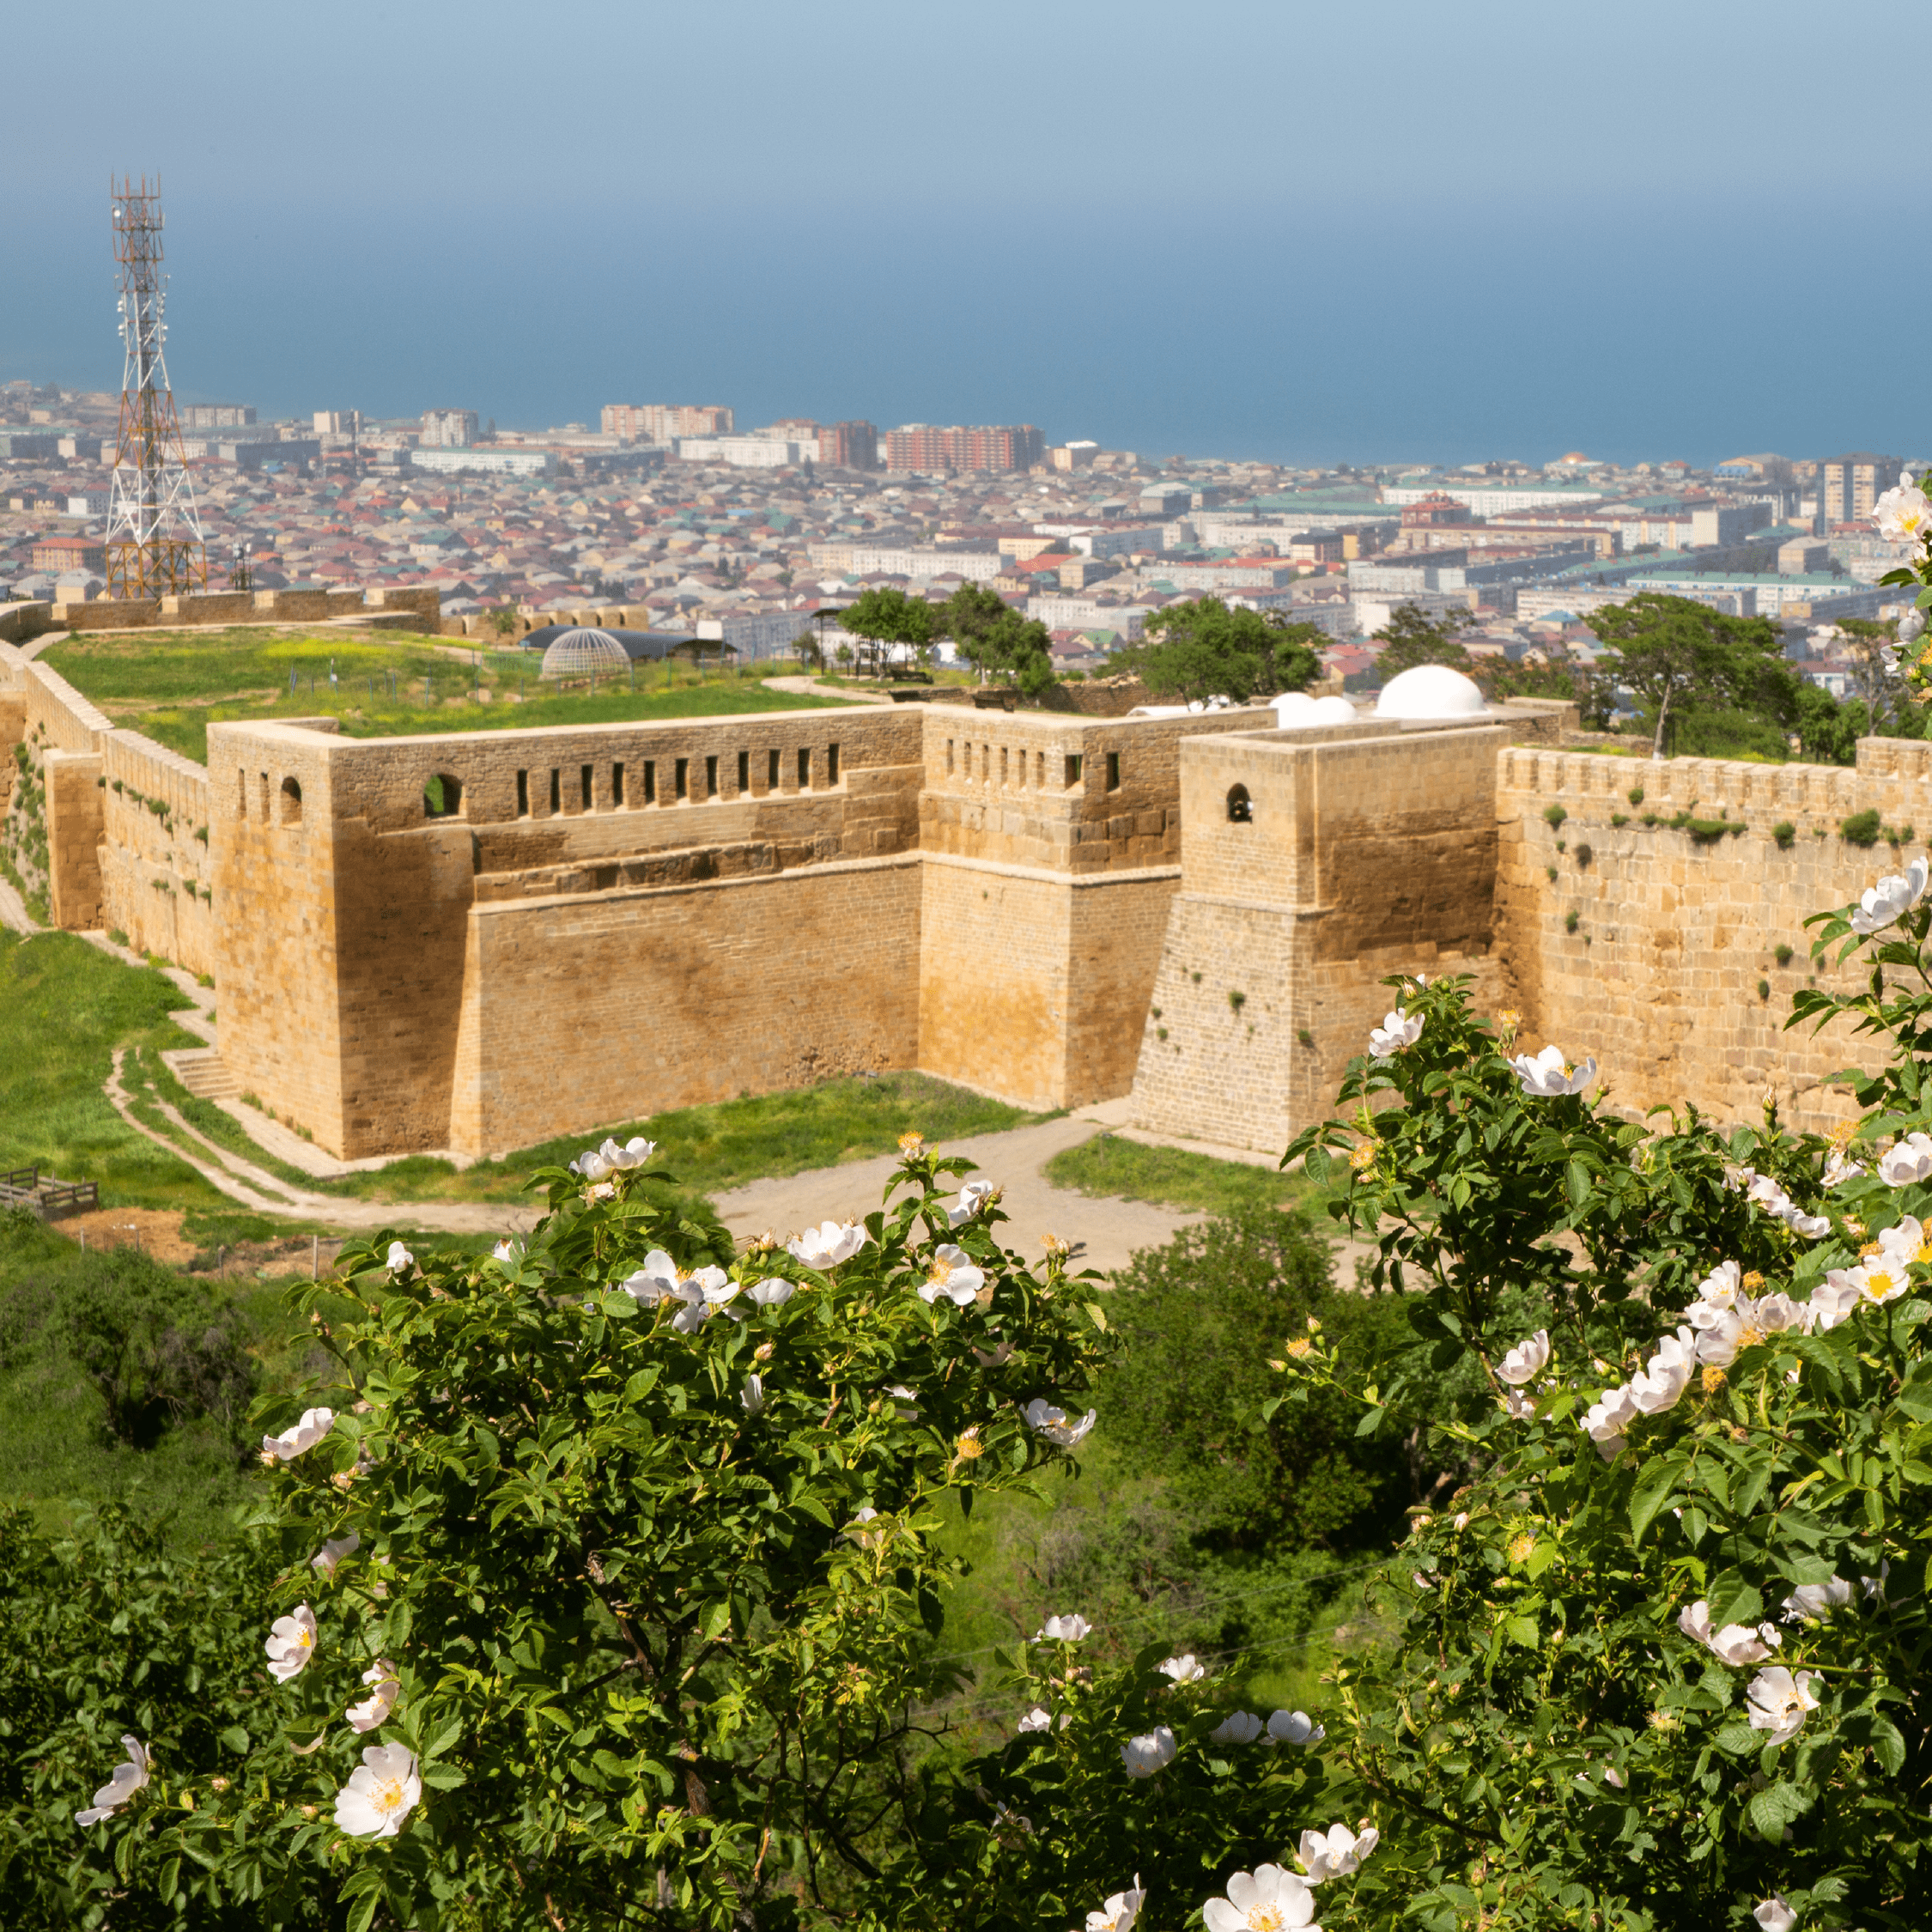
605, 922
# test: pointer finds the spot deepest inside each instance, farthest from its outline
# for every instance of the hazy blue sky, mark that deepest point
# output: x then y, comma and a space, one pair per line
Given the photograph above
1324, 232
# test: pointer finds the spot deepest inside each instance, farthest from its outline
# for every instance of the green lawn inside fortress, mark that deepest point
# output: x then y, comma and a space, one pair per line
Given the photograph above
172, 685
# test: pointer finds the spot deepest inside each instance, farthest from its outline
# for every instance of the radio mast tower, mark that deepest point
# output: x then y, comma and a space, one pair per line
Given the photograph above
155, 542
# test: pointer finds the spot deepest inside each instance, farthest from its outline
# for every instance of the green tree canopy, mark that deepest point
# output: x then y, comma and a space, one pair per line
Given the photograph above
1675, 655
1204, 649
1412, 637
886, 615
974, 617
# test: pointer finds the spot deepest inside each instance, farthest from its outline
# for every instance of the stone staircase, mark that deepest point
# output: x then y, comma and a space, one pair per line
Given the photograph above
201, 1071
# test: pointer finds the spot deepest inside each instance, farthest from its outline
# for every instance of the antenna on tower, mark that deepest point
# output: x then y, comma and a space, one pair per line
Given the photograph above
154, 543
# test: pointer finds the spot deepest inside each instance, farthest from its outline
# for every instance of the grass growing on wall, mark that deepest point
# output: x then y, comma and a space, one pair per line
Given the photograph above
1170, 1177
65, 1006
172, 685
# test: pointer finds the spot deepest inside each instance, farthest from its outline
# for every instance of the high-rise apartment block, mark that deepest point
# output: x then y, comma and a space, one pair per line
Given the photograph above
849, 445
1848, 486
919, 446
214, 416
448, 428
664, 422
339, 422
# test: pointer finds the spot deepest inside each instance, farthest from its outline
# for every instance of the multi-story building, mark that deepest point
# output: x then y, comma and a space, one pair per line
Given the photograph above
1848, 486
920, 445
448, 428
485, 462
214, 415
745, 452
339, 422
67, 555
1727, 523
849, 445
664, 422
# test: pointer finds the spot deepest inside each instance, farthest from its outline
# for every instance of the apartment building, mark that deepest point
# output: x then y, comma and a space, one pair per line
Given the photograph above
214, 416
921, 446
448, 428
664, 422
1848, 486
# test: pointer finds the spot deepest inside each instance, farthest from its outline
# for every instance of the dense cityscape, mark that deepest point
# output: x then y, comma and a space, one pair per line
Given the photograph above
744, 537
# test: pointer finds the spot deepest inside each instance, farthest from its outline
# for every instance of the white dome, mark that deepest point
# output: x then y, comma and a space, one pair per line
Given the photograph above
1431, 690
1291, 708
1332, 711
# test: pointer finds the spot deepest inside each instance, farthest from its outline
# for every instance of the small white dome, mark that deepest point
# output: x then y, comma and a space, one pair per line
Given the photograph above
1431, 690
1332, 711
1291, 708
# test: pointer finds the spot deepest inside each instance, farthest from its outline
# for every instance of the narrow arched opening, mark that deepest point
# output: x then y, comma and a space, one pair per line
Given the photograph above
291, 801
1240, 807
442, 796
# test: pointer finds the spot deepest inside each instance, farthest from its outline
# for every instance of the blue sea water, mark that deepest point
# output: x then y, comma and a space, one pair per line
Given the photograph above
1366, 335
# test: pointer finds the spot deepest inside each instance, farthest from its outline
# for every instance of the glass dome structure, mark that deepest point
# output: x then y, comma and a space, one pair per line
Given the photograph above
584, 654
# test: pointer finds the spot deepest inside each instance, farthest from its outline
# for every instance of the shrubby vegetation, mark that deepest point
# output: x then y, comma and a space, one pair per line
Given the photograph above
604, 1586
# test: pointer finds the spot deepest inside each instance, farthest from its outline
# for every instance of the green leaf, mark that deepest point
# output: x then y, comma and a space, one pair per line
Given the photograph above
1889, 1745
442, 1777
235, 1738
1775, 1808
1547, 1550
1655, 1483
717, 1619
1524, 1631
1318, 1167
1097, 1315
1576, 1183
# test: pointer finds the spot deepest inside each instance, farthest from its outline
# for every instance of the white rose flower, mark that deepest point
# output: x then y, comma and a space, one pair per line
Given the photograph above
1833, 1301
1780, 1702
1516, 1404
1889, 901
380, 1794
774, 1291
291, 1643
122, 1782
1526, 1359
1295, 1726
1053, 1423
1813, 1603
950, 1272
387, 1689
400, 1260
972, 1197
1719, 1288
590, 1165
1664, 1378
1120, 1912
1876, 1281
632, 1153
1840, 1168
1398, 1030
1063, 1630
1773, 1915
1745, 1324
752, 1396
1183, 1669
509, 1251
333, 1550
1549, 1073
1738, 1645
1238, 1727
655, 1281
1336, 1852
1143, 1756
291, 1443
719, 1291
1267, 1900
828, 1244
1812, 1227
1903, 513
1908, 1161
1905, 1243
1038, 1719
1607, 1420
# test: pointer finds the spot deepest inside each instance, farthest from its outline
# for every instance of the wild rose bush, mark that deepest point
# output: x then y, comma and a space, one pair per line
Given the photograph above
608, 1582
1661, 1657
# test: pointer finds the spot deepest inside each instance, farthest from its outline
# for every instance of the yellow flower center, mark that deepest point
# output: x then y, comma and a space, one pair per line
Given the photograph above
1753, 1282
1363, 1158
1870, 1248
1520, 1547
1924, 1257
1266, 1918
970, 1446
1878, 1284
388, 1795
940, 1271
304, 1640
1749, 1336
912, 1142
1713, 1378
1301, 1345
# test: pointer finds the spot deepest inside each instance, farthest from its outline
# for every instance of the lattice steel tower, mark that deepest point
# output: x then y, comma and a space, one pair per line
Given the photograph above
154, 543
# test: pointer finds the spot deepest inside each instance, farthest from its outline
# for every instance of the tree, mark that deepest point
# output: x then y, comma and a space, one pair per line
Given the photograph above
1410, 637
1593, 690
626, 1565
1674, 654
970, 616
1873, 648
505, 621
885, 615
1203, 649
